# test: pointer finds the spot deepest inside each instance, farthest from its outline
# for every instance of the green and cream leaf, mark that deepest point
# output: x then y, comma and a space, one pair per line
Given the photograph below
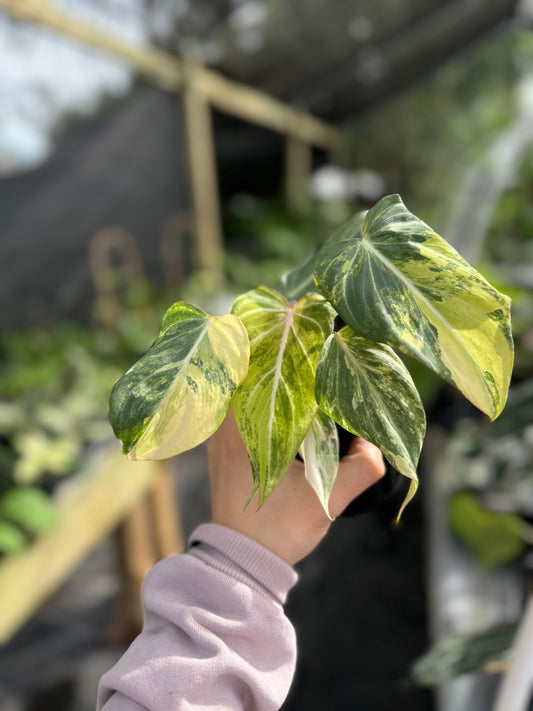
367, 389
320, 452
300, 281
177, 394
349, 231
399, 283
275, 405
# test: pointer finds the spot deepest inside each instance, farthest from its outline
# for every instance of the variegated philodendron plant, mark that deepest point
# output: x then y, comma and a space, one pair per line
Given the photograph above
288, 377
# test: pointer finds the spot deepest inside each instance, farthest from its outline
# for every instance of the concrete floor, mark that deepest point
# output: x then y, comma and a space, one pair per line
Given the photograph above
359, 611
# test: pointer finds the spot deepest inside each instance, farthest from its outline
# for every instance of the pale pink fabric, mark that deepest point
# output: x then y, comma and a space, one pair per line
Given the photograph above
215, 634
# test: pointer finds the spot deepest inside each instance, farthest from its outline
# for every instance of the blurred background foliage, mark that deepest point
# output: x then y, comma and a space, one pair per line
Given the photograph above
430, 143
457, 144
424, 141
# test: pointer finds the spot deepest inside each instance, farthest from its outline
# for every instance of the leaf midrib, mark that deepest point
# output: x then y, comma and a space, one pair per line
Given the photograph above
374, 388
366, 244
277, 373
185, 362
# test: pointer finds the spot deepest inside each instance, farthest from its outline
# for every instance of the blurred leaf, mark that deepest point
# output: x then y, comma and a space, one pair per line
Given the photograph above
39, 454
516, 416
12, 540
458, 654
29, 508
12, 417
495, 538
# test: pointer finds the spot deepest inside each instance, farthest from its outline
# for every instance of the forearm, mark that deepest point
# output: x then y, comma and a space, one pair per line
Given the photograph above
215, 633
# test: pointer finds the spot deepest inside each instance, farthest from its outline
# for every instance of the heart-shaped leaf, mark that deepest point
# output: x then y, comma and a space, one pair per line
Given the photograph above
399, 283
177, 394
367, 389
320, 452
300, 281
349, 230
275, 405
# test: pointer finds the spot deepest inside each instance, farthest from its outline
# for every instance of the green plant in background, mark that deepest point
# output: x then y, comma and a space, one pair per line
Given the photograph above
495, 537
492, 488
289, 375
24, 512
264, 239
54, 385
458, 654
461, 109
490, 506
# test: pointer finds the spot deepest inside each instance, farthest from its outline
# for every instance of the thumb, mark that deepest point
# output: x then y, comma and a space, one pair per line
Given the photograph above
361, 467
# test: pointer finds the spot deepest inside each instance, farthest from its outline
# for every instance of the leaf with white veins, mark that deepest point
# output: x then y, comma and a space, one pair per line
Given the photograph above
396, 281
275, 405
367, 389
320, 452
177, 394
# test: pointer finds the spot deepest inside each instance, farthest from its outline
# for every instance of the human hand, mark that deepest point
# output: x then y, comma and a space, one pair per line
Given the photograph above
291, 521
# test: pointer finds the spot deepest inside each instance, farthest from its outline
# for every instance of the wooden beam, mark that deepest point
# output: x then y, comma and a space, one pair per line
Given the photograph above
263, 110
166, 71
167, 526
298, 168
161, 67
208, 256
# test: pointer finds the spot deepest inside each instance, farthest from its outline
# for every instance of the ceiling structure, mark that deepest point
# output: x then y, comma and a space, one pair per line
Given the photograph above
336, 58
339, 58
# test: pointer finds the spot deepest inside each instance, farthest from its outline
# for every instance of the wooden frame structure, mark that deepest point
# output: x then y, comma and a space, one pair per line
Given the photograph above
203, 90
142, 493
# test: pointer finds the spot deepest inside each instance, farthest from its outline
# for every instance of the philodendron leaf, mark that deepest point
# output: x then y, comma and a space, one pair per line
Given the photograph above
177, 394
367, 389
320, 452
399, 283
275, 405
350, 230
300, 281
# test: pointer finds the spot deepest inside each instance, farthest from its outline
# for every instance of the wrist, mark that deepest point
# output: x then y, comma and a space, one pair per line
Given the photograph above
289, 546
242, 558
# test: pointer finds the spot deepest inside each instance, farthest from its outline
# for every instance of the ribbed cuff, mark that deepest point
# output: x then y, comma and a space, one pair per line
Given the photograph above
242, 558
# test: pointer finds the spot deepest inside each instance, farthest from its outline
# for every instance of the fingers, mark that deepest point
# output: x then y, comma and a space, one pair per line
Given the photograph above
361, 467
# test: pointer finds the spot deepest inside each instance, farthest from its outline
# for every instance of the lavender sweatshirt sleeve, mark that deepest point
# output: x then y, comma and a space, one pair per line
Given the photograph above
215, 634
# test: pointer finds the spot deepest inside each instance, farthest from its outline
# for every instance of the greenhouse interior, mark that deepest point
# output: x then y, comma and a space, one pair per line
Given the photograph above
171, 169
